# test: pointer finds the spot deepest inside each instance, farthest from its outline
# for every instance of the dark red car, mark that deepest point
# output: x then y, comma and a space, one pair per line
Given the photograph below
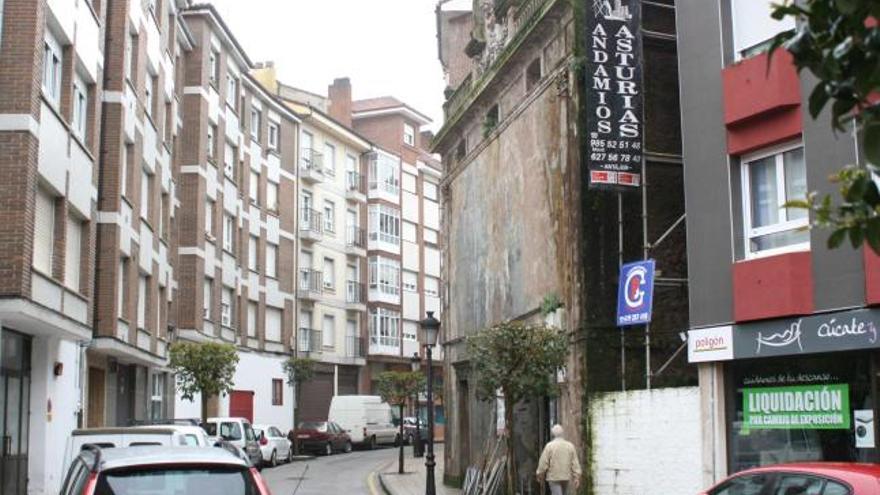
322, 437
809, 478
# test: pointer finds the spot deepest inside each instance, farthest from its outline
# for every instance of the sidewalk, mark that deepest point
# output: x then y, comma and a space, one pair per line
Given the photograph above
413, 481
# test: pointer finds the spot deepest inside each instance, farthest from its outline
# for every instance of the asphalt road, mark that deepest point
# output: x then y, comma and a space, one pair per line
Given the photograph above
339, 473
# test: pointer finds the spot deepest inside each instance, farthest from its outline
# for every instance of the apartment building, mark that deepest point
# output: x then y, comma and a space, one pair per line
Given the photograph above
51, 84
775, 316
135, 280
237, 222
331, 262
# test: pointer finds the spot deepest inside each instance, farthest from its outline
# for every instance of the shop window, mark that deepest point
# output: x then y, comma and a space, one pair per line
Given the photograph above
770, 178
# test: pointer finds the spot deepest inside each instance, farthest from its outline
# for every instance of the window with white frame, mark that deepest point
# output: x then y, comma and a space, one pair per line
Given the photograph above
228, 232
385, 275
384, 223
385, 327
122, 288
408, 182
273, 324
252, 319
410, 331
329, 217
226, 301
431, 236
145, 194
385, 174
753, 26
329, 274
770, 178
80, 108
272, 196
157, 395
256, 122
44, 231
252, 253
214, 67
207, 297
328, 331
130, 59
409, 231
231, 91
409, 135
212, 142
430, 190
432, 286
410, 281
123, 168
52, 67
142, 302
149, 94
271, 260
254, 188
229, 161
73, 253
209, 217
330, 159
274, 135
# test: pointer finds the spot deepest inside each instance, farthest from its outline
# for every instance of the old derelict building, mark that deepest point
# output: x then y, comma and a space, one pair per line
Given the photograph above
522, 228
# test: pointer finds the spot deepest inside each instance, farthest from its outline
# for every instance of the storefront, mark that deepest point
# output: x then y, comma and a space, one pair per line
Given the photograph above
796, 389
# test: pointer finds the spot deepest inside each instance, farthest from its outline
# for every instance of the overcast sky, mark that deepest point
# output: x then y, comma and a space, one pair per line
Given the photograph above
386, 47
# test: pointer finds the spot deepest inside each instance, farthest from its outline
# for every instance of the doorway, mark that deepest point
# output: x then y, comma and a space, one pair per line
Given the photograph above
15, 388
97, 378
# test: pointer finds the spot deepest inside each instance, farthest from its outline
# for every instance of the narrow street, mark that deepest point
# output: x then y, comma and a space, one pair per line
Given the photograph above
339, 473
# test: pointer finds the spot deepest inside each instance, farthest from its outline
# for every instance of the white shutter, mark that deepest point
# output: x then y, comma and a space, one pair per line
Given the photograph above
44, 227
271, 260
252, 253
72, 253
252, 319
226, 307
273, 324
207, 298
142, 302
121, 290
145, 194
329, 331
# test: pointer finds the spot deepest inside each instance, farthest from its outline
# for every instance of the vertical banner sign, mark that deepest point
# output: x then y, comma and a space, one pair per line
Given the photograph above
614, 94
635, 293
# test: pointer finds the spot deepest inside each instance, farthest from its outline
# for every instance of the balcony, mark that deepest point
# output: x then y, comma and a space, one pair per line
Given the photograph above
384, 346
354, 347
355, 186
310, 342
311, 284
311, 227
356, 295
356, 241
311, 166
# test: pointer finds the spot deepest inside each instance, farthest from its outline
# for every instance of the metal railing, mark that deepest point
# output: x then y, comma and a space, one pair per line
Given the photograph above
355, 182
356, 237
354, 347
311, 281
310, 340
312, 221
355, 292
311, 161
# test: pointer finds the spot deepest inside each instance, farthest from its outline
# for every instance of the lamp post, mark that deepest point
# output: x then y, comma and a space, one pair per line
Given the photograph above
416, 363
431, 328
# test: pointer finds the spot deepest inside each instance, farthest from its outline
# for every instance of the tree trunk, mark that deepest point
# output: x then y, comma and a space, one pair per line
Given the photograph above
204, 408
400, 441
511, 456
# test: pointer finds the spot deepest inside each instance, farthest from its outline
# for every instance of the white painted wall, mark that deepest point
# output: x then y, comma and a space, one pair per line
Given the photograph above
662, 422
255, 372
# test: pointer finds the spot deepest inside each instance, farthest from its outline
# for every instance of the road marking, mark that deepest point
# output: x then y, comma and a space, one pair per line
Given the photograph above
371, 484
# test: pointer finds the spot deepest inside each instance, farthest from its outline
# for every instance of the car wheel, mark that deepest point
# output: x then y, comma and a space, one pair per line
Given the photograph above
347, 448
273, 461
373, 443
328, 450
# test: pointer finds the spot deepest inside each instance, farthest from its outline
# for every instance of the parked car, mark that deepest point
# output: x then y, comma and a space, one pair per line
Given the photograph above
140, 470
366, 419
133, 436
238, 432
806, 478
409, 429
274, 445
322, 437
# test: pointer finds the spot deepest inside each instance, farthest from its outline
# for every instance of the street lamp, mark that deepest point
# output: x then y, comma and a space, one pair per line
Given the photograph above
431, 327
416, 363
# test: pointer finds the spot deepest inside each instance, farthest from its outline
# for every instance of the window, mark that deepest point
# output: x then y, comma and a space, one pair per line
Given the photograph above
834, 488
252, 253
384, 174
228, 232
329, 274
409, 231
277, 396
432, 287
351, 164
252, 319
256, 121
121, 288
330, 159
753, 27
80, 108
384, 223
410, 281
208, 297
130, 59
52, 64
157, 410
209, 218
212, 142
409, 135
385, 327
273, 324
214, 67
254, 188
430, 190
800, 484
44, 231
329, 331
149, 94
123, 167
329, 217
410, 331
226, 302
274, 134
272, 196
271, 260
431, 236
385, 275
73, 253
142, 302
769, 179
145, 194
743, 485
408, 182
229, 161
231, 91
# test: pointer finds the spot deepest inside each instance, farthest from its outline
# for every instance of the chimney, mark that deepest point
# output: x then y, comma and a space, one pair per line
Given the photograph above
339, 94
264, 73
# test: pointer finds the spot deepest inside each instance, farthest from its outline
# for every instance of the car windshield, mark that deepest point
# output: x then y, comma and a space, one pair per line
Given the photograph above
314, 425
210, 429
177, 481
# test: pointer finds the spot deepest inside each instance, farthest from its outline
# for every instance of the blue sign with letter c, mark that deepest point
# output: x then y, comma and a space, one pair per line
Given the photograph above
635, 293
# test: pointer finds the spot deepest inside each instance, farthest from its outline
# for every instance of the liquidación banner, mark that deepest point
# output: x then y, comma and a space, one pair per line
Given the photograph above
806, 407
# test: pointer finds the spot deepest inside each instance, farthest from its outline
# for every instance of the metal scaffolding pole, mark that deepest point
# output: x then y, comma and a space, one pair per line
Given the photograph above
619, 266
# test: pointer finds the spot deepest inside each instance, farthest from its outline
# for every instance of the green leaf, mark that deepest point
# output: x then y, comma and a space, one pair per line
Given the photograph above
848, 7
856, 236
872, 234
871, 142
818, 99
836, 238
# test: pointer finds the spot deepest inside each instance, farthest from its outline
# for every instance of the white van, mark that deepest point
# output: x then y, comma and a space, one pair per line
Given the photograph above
366, 418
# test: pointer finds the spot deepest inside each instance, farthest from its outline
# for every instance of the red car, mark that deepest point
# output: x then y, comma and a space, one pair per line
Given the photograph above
809, 478
322, 437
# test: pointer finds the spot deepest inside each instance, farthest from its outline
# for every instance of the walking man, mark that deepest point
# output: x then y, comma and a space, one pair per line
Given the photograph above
559, 464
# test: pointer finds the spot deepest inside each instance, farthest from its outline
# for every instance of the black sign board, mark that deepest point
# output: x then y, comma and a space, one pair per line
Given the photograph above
614, 94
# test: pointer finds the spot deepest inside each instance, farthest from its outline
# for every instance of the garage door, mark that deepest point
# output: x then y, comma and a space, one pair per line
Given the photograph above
314, 398
241, 404
348, 380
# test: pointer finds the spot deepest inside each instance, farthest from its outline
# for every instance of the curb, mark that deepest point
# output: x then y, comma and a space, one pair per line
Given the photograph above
378, 475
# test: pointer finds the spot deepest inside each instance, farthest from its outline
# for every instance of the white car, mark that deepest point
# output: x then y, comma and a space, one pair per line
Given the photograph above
273, 444
133, 436
366, 419
238, 432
